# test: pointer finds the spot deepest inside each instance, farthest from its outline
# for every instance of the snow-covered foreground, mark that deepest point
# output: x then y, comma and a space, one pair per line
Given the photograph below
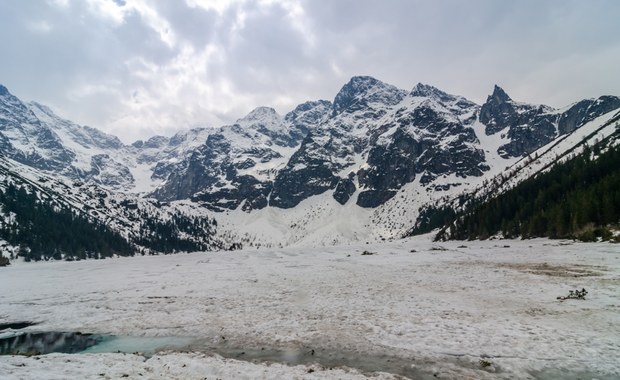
422, 309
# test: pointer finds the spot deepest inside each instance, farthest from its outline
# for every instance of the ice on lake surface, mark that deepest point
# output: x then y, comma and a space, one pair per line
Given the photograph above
479, 310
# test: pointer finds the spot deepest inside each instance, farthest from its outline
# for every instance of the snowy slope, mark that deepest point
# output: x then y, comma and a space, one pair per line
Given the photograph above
104, 160
568, 145
359, 168
132, 217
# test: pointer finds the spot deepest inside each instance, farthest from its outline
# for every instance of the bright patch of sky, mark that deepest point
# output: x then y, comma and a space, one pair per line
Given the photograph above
137, 68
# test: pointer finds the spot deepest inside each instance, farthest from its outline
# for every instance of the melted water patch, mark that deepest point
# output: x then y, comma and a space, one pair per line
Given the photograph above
15, 325
40, 343
37, 343
146, 346
367, 363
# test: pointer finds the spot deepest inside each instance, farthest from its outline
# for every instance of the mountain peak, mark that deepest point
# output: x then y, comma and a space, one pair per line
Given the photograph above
422, 89
262, 119
357, 85
363, 79
499, 95
261, 113
366, 88
3, 90
361, 84
311, 112
425, 90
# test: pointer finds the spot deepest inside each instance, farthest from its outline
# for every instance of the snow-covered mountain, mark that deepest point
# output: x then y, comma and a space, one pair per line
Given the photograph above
378, 139
237, 164
33, 134
26, 139
357, 168
367, 145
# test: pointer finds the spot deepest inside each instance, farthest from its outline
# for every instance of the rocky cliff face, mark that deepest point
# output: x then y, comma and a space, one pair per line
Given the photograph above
585, 111
432, 136
527, 126
328, 156
24, 138
378, 139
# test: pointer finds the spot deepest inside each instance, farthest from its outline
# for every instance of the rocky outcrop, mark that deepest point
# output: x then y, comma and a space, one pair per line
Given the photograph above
383, 137
26, 139
429, 142
238, 164
585, 111
528, 127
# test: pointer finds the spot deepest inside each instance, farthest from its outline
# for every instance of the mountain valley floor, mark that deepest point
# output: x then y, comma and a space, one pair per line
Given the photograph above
418, 309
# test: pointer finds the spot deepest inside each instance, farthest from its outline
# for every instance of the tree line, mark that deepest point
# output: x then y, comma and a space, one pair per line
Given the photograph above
46, 231
579, 198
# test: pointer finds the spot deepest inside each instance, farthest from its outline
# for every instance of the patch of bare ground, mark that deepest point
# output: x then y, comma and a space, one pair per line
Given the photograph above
556, 270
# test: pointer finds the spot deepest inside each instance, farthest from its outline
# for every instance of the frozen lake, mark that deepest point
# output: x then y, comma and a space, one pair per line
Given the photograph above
417, 308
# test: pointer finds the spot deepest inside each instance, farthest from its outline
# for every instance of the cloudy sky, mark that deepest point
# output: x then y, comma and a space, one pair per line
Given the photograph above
136, 68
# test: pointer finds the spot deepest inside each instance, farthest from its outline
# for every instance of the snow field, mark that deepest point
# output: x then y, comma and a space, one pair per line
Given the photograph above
443, 308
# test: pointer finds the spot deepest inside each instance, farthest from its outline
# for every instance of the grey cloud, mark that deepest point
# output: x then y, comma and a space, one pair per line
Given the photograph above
265, 43
89, 68
79, 50
194, 25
